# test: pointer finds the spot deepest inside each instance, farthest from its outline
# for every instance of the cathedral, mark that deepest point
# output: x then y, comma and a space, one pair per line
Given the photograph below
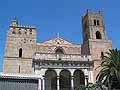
55, 64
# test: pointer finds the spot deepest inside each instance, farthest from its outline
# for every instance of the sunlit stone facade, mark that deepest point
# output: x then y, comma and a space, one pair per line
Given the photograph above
56, 64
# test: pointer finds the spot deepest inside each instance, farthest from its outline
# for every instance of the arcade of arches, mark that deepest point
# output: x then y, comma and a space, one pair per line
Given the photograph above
65, 80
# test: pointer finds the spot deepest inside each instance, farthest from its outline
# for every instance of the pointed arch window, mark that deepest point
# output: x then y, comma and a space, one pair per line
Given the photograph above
98, 35
59, 51
20, 52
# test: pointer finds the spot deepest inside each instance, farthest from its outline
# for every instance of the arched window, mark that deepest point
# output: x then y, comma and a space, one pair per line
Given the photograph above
94, 22
98, 22
20, 52
59, 51
98, 35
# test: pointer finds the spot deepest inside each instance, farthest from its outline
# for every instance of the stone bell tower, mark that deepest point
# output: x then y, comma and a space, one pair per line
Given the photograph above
19, 49
95, 42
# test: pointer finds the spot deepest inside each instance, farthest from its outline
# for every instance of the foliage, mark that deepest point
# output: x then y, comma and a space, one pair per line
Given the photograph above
110, 68
91, 86
96, 86
109, 75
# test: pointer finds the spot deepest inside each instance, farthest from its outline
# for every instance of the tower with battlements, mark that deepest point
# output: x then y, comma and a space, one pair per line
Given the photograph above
20, 48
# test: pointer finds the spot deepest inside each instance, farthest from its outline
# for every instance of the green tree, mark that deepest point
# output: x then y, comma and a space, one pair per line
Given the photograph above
96, 86
91, 86
110, 69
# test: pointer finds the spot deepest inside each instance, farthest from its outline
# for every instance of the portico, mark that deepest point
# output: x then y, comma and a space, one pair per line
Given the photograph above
64, 74
63, 79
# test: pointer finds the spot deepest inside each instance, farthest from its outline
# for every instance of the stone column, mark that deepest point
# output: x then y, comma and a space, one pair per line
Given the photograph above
72, 77
86, 76
39, 84
58, 78
58, 83
86, 80
72, 83
43, 83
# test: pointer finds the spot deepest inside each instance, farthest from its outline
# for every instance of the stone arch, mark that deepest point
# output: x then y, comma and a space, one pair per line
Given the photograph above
50, 80
98, 35
79, 78
65, 80
59, 50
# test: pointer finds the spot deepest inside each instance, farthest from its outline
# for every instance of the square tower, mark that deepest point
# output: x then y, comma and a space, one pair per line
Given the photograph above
95, 42
93, 26
20, 48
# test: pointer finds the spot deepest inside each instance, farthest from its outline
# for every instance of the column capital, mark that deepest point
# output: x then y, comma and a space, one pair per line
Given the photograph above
72, 77
58, 71
72, 71
58, 77
43, 76
86, 72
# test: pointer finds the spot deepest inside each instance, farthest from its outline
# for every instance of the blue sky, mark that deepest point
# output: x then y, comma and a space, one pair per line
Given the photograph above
58, 16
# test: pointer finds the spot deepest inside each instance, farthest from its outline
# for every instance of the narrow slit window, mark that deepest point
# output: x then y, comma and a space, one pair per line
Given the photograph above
19, 69
95, 22
20, 52
98, 23
102, 55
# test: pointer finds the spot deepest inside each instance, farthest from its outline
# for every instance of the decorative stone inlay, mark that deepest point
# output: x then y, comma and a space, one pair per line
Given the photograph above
66, 57
61, 64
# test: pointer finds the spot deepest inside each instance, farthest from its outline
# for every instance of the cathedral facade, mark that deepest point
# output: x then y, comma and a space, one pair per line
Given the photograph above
55, 64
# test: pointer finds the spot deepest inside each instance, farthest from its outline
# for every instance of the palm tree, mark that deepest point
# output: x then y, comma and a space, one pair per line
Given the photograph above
110, 69
96, 86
